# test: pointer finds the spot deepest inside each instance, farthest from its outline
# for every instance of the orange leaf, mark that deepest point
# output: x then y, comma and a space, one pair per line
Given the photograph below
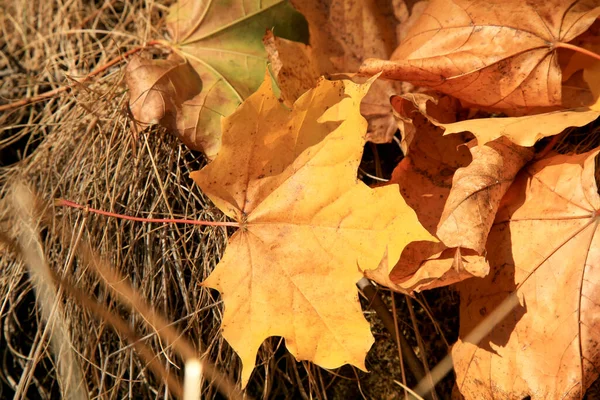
545, 248
425, 174
436, 268
308, 228
497, 54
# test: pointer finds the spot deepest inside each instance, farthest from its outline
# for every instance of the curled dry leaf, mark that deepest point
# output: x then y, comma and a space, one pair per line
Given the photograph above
436, 270
425, 178
496, 54
218, 60
308, 228
476, 193
342, 34
523, 131
159, 92
425, 173
405, 107
545, 247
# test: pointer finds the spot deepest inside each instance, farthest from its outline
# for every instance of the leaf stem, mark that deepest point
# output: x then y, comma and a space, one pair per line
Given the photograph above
69, 203
577, 49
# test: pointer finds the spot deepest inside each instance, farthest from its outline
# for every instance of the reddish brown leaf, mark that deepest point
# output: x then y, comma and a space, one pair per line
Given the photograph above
496, 54
425, 178
436, 270
425, 174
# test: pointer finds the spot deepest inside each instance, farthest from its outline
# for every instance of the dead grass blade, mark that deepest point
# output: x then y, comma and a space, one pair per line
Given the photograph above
48, 296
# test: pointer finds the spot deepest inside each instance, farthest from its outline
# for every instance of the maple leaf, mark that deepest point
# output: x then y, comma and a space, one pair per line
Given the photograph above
455, 196
425, 174
218, 61
405, 106
545, 248
342, 34
308, 228
496, 54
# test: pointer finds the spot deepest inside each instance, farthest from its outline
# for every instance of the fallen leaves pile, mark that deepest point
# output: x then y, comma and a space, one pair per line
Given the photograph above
472, 204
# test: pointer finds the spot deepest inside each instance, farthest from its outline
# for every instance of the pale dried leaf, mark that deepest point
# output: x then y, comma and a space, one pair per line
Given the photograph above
476, 193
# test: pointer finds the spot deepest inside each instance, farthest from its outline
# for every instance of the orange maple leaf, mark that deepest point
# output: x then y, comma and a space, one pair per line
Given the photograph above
308, 228
497, 54
545, 248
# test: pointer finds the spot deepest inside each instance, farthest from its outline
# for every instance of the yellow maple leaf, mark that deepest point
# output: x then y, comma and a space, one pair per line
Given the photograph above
308, 227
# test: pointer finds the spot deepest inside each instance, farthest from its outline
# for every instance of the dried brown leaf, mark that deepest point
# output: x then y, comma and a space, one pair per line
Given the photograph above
343, 33
545, 248
476, 192
496, 54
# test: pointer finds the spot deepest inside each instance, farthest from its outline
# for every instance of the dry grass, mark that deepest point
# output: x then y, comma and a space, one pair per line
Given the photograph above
77, 144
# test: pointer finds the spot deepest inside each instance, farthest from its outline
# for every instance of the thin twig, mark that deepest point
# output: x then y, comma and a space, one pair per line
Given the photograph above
432, 393
54, 92
475, 336
414, 395
397, 338
387, 319
548, 148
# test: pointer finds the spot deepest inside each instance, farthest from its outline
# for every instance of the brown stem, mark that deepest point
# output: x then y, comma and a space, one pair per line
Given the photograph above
375, 302
68, 203
577, 49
